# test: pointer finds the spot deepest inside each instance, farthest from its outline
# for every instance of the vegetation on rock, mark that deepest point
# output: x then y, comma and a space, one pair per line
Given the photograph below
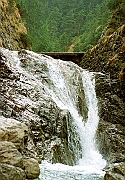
12, 30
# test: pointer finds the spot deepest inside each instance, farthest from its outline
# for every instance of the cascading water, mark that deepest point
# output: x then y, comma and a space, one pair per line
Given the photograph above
62, 91
70, 88
90, 156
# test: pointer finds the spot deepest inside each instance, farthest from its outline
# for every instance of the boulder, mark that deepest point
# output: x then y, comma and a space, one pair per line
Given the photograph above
9, 172
13, 131
9, 154
31, 168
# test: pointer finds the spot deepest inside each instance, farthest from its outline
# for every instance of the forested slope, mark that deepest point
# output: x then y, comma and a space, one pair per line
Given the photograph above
55, 25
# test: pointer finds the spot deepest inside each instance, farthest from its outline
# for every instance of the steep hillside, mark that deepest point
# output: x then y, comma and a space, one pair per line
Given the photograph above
55, 25
13, 34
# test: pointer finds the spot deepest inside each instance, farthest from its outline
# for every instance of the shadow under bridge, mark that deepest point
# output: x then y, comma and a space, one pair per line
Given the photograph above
75, 57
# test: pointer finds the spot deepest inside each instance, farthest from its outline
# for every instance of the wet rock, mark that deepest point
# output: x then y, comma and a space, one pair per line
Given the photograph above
31, 168
111, 128
111, 141
9, 172
115, 172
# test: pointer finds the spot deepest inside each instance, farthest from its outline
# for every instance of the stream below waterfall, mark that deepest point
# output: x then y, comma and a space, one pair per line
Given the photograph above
90, 165
64, 172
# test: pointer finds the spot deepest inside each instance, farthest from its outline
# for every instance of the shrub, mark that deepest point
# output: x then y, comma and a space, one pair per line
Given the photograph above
26, 40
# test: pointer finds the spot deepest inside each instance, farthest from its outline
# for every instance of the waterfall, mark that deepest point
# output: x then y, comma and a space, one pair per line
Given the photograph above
70, 89
90, 155
64, 93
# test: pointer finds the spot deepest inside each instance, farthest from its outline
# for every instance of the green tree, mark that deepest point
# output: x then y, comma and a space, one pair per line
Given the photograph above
54, 24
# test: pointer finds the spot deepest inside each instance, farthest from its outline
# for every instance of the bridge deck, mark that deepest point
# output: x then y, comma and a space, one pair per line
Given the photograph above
66, 56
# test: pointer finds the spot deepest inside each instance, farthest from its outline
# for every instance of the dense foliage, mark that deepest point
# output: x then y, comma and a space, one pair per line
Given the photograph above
54, 25
118, 16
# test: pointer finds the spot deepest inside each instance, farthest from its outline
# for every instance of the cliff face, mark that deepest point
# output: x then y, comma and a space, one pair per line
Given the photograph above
108, 57
32, 115
13, 34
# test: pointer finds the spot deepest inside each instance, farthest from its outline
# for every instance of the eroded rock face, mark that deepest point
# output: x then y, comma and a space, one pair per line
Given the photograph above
28, 95
111, 129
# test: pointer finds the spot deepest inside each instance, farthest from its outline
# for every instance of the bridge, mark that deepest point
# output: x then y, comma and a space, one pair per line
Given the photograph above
75, 57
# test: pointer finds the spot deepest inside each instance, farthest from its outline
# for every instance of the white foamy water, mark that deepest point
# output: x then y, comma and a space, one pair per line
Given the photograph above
62, 91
